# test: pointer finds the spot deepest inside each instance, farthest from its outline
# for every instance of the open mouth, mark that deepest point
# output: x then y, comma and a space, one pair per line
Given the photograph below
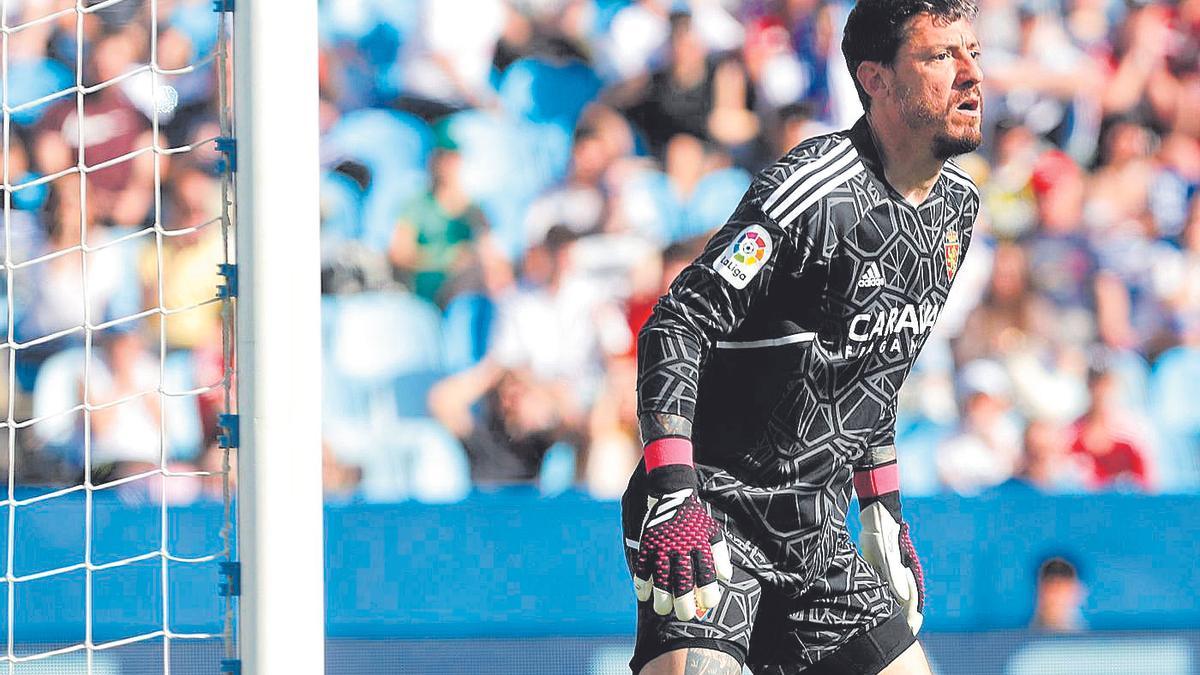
970, 106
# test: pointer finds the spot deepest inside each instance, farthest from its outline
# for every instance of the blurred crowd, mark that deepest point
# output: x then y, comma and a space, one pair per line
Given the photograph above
82, 246
509, 185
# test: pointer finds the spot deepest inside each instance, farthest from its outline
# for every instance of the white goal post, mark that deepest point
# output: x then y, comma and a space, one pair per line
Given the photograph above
280, 522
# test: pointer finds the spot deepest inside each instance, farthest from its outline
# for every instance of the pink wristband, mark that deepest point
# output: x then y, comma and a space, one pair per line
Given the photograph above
669, 450
878, 481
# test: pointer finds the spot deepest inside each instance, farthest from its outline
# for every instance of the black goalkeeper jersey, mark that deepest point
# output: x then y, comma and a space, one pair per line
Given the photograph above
787, 340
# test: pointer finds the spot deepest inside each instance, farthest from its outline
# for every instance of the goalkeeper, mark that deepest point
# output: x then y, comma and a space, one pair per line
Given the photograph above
768, 377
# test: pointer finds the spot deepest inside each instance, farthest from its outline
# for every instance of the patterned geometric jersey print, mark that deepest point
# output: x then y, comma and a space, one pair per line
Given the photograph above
787, 340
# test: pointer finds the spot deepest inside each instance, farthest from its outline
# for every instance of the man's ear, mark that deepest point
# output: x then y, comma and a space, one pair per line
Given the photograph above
875, 78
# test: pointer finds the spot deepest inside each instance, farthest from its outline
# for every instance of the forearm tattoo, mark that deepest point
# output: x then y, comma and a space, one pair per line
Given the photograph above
878, 455
655, 425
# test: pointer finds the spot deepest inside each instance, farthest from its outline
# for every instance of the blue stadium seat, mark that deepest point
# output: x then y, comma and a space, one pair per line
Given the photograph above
394, 147
1174, 390
198, 22
467, 328
557, 473
183, 428
384, 352
548, 93
355, 20
712, 202
57, 389
917, 439
380, 335
424, 462
1134, 375
32, 78
507, 162
652, 207
341, 208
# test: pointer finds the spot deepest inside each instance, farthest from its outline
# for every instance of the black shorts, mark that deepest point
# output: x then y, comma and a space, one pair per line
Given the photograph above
847, 621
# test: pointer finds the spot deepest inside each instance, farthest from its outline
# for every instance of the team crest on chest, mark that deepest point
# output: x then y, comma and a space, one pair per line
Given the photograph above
952, 248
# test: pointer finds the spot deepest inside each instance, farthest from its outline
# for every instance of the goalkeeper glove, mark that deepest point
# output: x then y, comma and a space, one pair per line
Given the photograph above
681, 552
884, 541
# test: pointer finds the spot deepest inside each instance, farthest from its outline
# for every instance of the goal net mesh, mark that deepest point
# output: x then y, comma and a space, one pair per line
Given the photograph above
118, 335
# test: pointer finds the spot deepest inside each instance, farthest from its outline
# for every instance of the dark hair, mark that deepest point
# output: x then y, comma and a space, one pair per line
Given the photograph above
1057, 567
875, 30
679, 21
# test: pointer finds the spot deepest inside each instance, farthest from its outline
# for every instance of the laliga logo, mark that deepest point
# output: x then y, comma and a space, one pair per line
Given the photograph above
744, 256
750, 249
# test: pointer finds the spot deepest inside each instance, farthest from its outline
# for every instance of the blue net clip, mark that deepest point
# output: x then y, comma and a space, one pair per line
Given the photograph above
228, 146
231, 667
230, 584
222, 6
229, 288
227, 424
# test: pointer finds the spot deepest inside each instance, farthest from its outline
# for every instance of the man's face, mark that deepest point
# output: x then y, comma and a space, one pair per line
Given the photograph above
937, 78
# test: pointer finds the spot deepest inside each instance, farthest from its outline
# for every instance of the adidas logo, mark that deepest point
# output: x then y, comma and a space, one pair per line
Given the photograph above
870, 276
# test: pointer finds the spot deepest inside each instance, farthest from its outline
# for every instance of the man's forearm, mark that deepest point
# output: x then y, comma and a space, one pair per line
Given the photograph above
666, 440
656, 425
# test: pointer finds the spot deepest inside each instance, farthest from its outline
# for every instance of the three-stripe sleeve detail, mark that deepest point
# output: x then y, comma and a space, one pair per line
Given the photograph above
814, 180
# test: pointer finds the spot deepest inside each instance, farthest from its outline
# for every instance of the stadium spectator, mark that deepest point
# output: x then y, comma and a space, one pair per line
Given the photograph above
1139, 78
1062, 261
125, 436
432, 245
1019, 329
339, 479
796, 123
1118, 190
580, 201
1011, 317
1179, 274
1040, 75
707, 99
560, 327
1059, 597
1007, 191
1091, 182
1177, 175
519, 417
449, 59
53, 290
124, 191
1130, 310
615, 443
1111, 442
986, 448
186, 267
1046, 463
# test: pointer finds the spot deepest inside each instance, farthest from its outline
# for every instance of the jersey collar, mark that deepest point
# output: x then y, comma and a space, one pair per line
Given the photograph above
864, 143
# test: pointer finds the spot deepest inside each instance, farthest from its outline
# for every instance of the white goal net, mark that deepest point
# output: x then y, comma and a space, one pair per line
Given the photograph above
118, 339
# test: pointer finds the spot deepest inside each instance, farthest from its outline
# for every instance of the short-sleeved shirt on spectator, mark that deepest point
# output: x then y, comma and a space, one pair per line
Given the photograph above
439, 235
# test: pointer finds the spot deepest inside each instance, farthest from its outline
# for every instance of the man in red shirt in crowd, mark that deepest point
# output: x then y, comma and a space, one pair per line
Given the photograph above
1111, 443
